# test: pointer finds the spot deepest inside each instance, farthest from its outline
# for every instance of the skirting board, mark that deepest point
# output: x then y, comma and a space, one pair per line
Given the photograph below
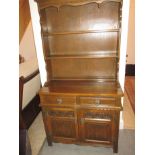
130, 70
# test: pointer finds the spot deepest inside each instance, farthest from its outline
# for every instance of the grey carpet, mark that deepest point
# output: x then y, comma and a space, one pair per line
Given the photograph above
126, 147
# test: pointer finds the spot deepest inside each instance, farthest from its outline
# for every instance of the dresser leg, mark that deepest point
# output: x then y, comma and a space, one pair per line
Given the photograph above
49, 141
115, 148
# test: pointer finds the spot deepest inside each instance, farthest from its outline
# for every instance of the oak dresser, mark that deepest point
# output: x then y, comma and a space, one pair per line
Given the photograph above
81, 100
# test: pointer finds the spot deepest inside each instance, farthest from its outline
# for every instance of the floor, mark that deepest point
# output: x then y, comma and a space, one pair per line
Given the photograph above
37, 133
128, 114
130, 89
126, 146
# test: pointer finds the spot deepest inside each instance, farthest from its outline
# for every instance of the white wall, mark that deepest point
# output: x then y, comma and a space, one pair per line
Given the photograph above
123, 49
131, 34
37, 37
27, 45
124, 37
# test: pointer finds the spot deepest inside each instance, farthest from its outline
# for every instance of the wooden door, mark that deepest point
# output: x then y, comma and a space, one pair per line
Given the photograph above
61, 125
95, 126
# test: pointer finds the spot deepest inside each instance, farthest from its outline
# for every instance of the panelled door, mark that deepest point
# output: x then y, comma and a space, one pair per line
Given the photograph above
63, 124
95, 126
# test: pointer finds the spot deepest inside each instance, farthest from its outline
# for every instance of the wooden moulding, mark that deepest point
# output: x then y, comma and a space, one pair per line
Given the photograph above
58, 3
81, 32
82, 88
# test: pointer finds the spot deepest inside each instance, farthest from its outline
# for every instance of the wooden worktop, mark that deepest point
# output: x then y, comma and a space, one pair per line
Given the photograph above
83, 87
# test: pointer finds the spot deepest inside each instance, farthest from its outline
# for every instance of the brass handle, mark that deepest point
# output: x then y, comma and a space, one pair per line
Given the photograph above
59, 100
98, 102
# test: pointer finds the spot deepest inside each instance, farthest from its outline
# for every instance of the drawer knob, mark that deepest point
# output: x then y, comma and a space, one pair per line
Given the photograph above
59, 100
97, 102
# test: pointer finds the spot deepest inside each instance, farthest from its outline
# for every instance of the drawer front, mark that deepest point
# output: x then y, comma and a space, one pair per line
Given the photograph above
58, 100
97, 101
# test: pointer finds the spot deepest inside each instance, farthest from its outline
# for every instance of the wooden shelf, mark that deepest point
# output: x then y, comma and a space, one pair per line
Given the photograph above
95, 79
112, 55
81, 86
80, 32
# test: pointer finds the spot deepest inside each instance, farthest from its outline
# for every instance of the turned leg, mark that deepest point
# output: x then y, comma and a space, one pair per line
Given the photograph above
46, 120
49, 141
116, 132
115, 147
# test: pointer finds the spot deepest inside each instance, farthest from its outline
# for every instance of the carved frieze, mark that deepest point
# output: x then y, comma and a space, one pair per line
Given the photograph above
61, 113
44, 4
97, 115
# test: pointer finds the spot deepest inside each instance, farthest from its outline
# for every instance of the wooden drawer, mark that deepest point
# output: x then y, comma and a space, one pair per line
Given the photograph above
97, 101
58, 100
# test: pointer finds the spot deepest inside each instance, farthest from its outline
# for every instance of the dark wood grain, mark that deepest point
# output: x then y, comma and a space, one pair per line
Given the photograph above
81, 99
81, 16
83, 88
82, 112
83, 43
77, 68
89, 33
48, 3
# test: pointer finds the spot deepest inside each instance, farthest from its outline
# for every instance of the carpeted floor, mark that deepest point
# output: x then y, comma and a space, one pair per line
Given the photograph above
126, 147
37, 134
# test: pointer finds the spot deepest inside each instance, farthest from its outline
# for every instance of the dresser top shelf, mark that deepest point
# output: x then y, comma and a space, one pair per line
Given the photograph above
58, 3
82, 88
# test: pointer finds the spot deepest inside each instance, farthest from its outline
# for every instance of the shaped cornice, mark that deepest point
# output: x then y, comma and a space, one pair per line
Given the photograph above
58, 3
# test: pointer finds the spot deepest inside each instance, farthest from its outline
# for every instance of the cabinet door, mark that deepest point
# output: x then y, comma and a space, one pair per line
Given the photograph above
62, 124
95, 126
